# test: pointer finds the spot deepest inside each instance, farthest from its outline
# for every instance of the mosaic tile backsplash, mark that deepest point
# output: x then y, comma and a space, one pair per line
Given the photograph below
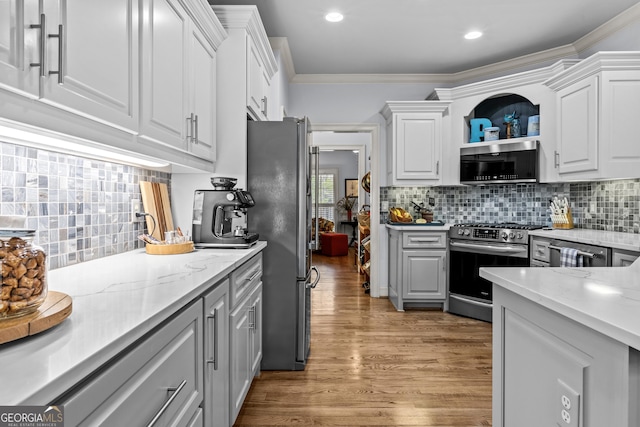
80, 207
602, 205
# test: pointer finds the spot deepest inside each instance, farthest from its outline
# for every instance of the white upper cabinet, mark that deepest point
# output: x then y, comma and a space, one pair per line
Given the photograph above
257, 83
250, 60
598, 100
414, 141
164, 79
245, 60
178, 79
92, 59
58, 55
19, 45
133, 75
203, 79
528, 85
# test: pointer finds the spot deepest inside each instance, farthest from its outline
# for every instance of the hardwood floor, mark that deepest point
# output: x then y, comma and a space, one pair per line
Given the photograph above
373, 366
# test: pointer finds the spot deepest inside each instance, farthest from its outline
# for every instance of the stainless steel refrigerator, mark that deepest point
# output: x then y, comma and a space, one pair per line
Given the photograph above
281, 164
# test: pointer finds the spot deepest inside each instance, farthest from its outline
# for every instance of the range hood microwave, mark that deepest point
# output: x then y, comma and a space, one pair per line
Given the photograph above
500, 163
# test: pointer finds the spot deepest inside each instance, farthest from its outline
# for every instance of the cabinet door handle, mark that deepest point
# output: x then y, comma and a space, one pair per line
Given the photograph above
264, 105
170, 400
438, 168
195, 121
253, 276
252, 317
214, 328
60, 37
556, 159
41, 49
255, 317
424, 240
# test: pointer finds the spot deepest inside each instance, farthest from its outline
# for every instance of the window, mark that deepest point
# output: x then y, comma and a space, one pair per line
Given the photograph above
328, 179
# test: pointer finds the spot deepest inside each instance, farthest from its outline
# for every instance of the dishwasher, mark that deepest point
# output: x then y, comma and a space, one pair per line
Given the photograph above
545, 252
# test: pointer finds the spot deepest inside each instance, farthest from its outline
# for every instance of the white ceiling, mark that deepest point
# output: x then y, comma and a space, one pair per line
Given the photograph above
425, 36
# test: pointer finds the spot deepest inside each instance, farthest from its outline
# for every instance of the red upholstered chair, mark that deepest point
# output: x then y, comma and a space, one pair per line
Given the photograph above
334, 244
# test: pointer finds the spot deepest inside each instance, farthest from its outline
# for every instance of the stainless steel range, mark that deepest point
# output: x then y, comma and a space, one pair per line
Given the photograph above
472, 246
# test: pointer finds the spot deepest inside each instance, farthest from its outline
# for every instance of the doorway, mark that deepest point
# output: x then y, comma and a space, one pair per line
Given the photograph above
365, 139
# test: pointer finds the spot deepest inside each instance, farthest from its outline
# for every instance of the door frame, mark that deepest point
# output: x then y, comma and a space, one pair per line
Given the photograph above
373, 129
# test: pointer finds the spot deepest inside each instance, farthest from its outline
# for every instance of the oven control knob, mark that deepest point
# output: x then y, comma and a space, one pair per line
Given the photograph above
505, 236
467, 232
512, 235
460, 231
519, 235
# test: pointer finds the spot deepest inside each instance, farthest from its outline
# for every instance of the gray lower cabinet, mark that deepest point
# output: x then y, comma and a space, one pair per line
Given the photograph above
159, 381
622, 258
245, 331
193, 371
549, 370
216, 356
417, 268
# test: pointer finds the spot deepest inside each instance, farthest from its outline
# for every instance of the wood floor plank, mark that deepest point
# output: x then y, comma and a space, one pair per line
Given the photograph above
373, 366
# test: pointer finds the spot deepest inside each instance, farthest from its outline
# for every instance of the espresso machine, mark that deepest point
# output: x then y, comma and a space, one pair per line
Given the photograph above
219, 216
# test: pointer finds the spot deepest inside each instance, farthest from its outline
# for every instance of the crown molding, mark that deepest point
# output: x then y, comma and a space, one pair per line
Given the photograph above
281, 44
207, 22
247, 18
392, 107
631, 15
596, 63
610, 27
503, 83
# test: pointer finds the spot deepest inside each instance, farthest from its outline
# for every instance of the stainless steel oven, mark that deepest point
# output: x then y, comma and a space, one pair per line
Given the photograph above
472, 246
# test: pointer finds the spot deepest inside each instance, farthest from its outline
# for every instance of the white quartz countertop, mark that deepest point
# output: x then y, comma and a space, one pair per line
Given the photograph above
116, 301
611, 239
419, 227
605, 299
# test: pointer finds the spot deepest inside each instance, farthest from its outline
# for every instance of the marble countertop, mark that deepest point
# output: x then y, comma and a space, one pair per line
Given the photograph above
611, 239
116, 301
605, 299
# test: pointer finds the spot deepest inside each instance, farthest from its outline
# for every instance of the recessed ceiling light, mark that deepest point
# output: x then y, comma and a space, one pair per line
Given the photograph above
334, 17
473, 35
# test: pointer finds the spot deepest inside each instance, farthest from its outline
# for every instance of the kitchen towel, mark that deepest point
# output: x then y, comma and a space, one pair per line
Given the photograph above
570, 257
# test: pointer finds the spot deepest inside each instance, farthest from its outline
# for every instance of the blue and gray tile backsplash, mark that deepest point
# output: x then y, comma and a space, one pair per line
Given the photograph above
602, 205
80, 208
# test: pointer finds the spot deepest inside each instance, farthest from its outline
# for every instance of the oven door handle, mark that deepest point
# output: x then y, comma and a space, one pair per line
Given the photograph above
488, 249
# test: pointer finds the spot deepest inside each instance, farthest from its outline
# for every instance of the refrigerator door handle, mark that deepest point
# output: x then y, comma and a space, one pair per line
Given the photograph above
315, 244
315, 282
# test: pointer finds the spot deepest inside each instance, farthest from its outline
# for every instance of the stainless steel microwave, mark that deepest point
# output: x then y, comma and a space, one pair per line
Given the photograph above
500, 163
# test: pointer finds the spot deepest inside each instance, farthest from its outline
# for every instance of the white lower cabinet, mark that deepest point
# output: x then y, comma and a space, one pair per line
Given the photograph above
245, 332
159, 380
417, 268
216, 356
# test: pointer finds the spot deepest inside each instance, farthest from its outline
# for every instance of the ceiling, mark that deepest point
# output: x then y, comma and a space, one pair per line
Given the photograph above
425, 36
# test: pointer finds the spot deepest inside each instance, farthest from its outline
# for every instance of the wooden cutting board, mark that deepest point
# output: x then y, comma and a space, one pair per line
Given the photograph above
156, 202
55, 308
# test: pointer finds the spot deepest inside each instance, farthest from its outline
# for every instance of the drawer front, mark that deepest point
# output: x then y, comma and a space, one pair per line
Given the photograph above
424, 240
539, 250
164, 371
244, 279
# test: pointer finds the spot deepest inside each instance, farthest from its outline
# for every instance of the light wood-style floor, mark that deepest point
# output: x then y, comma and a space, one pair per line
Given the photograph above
373, 366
